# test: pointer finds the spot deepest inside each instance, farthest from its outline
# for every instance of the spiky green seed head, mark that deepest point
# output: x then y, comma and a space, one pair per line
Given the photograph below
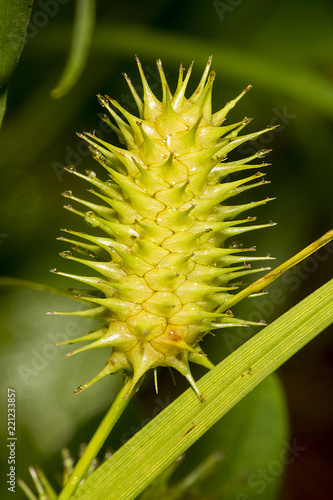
163, 217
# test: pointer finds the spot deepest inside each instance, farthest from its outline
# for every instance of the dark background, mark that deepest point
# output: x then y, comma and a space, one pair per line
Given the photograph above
285, 50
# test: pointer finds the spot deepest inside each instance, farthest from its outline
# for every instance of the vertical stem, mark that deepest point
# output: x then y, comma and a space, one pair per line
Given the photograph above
98, 439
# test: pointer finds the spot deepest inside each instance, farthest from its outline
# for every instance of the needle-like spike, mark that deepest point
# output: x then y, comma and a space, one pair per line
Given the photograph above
179, 96
137, 99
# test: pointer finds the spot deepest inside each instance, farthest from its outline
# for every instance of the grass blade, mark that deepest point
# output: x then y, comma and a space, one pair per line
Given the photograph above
3, 102
81, 39
161, 441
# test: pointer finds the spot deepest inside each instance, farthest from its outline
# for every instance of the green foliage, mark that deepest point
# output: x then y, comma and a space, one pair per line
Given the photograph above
14, 19
3, 100
237, 453
168, 435
14, 15
284, 49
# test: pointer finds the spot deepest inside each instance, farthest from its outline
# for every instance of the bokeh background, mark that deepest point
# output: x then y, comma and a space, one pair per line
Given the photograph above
284, 49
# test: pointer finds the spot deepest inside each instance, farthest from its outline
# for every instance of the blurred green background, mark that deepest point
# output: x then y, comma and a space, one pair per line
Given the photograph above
284, 49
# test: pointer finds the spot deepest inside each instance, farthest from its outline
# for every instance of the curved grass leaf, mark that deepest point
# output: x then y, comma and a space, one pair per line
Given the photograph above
136, 464
81, 39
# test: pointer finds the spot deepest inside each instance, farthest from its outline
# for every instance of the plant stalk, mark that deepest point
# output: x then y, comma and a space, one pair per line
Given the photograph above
118, 406
259, 284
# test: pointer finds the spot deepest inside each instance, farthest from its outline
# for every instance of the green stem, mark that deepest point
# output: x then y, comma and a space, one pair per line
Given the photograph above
81, 39
260, 284
200, 473
118, 406
26, 490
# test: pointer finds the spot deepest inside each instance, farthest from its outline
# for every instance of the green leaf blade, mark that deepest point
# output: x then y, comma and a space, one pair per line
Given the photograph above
14, 19
157, 445
3, 102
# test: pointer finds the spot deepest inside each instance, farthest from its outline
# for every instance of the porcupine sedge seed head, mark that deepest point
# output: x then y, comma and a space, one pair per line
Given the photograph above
161, 261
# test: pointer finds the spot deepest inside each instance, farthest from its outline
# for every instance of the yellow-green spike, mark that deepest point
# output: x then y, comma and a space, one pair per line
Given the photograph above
200, 359
164, 83
197, 93
152, 151
113, 339
153, 232
220, 116
150, 181
125, 130
111, 190
112, 152
182, 366
179, 97
91, 280
174, 197
107, 244
133, 124
235, 131
176, 219
138, 196
197, 108
124, 210
149, 251
239, 274
133, 264
110, 270
187, 141
235, 142
172, 170
90, 336
97, 313
152, 106
137, 99
169, 123
100, 209
158, 236
109, 369
92, 250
